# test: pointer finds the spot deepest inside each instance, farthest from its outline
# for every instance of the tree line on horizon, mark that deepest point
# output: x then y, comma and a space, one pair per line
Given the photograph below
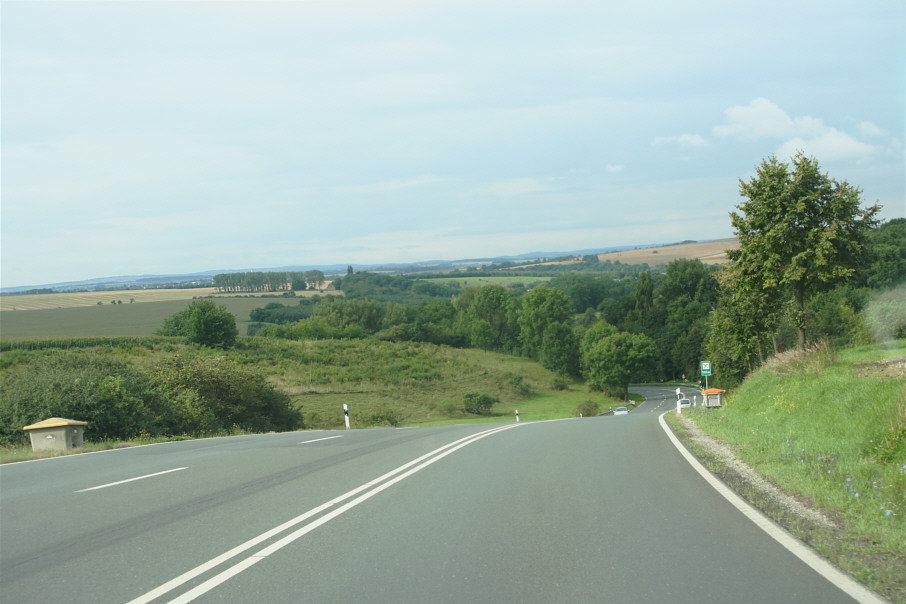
271, 281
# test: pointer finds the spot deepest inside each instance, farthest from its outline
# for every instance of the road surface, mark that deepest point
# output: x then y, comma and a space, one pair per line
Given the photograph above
597, 509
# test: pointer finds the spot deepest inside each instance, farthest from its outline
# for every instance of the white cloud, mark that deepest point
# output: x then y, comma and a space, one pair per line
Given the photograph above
683, 140
613, 168
759, 119
871, 130
762, 119
832, 145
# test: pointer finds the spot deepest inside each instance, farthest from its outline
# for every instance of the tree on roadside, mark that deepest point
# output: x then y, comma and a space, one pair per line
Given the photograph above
800, 232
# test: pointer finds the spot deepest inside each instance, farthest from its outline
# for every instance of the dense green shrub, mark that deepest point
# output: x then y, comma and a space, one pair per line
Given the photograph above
275, 312
480, 403
588, 409
213, 394
116, 400
188, 394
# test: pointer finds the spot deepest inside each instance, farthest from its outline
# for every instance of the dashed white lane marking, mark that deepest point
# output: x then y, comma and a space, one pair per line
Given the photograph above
305, 442
113, 484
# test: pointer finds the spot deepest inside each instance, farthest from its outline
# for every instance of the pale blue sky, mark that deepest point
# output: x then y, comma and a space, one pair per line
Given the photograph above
172, 137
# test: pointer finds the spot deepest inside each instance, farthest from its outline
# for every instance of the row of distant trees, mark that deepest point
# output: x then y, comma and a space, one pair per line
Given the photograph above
272, 281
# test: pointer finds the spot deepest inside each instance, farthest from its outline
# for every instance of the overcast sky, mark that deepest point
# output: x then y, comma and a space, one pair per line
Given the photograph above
172, 137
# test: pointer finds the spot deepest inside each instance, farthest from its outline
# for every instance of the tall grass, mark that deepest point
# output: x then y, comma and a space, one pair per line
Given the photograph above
87, 342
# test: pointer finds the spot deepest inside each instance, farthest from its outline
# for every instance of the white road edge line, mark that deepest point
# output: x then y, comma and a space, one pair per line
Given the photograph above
113, 484
844, 582
305, 442
239, 567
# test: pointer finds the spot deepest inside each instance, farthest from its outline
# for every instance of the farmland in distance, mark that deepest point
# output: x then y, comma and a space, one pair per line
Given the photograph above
709, 252
74, 317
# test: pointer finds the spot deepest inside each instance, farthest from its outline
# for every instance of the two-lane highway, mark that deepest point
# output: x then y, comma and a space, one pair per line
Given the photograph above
584, 510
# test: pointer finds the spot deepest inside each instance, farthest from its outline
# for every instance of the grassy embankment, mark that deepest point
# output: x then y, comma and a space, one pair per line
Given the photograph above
830, 429
383, 383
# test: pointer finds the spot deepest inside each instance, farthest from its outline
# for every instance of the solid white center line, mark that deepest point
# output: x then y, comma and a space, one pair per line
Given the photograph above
305, 442
113, 484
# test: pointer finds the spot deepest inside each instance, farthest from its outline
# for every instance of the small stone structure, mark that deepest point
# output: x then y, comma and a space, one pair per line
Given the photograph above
56, 433
712, 397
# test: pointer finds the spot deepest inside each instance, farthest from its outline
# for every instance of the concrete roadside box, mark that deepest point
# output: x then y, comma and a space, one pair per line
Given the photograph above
712, 397
56, 433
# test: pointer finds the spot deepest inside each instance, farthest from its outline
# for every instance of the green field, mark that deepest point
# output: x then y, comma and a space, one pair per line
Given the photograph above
115, 319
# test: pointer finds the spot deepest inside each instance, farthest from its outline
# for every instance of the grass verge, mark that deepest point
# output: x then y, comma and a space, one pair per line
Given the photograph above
829, 429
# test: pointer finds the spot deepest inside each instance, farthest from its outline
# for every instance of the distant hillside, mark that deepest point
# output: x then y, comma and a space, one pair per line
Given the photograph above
709, 252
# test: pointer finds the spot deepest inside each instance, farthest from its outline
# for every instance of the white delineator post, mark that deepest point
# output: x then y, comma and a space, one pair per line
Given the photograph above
346, 414
517, 416
679, 410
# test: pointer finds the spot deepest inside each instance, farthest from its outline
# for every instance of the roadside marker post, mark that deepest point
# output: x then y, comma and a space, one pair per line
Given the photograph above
517, 416
346, 414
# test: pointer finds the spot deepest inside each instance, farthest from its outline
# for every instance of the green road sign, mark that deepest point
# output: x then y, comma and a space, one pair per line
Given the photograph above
706, 368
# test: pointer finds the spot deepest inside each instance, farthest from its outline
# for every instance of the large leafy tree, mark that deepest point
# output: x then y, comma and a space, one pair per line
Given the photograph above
800, 232
684, 298
614, 361
492, 313
541, 307
560, 349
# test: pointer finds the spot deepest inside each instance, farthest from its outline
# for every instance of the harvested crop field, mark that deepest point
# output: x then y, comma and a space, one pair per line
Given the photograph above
709, 252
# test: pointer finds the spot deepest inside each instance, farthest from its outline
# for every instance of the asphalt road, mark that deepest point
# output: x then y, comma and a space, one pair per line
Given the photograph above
586, 510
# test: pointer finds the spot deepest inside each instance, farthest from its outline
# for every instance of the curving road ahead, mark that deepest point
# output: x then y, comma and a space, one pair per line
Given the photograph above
585, 510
